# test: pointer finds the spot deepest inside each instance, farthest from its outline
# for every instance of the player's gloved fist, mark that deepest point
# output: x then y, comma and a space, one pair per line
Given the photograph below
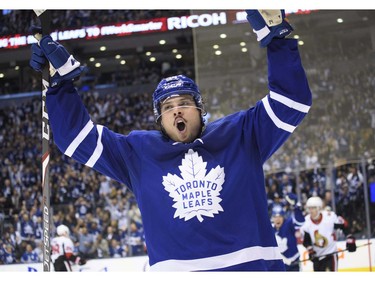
350, 243
37, 60
312, 253
292, 199
66, 66
268, 24
80, 261
63, 66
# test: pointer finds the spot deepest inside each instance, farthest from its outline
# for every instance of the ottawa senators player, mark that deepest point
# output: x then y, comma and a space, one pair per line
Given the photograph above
319, 235
62, 250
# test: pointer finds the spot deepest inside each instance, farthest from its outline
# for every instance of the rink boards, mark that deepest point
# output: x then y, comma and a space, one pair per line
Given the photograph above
361, 260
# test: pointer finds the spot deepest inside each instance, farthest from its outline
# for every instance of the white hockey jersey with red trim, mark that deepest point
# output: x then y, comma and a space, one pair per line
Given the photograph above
60, 246
323, 233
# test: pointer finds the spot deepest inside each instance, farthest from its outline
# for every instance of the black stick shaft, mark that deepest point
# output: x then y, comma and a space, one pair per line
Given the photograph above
45, 19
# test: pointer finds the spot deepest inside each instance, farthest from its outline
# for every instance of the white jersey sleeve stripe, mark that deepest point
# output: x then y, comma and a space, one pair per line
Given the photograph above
290, 103
280, 124
79, 138
244, 255
261, 33
98, 149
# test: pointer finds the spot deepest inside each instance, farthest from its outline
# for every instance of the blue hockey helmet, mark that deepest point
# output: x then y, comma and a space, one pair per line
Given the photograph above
175, 86
278, 210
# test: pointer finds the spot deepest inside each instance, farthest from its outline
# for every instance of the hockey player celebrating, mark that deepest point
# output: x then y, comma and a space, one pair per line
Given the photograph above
62, 248
199, 187
319, 235
285, 231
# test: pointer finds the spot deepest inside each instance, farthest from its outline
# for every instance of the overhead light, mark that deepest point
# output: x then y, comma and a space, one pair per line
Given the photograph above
103, 48
162, 42
218, 52
340, 20
98, 64
174, 51
92, 59
178, 56
223, 35
16, 67
118, 57
148, 54
296, 36
123, 62
242, 44
152, 59
215, 46
300, 42
2, 75
244, 50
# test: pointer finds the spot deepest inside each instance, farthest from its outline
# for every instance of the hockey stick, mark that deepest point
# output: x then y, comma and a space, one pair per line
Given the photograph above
45, 20
334, 253
66, 261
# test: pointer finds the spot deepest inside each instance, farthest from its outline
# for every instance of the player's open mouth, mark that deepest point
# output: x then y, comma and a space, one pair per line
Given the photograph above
181, 125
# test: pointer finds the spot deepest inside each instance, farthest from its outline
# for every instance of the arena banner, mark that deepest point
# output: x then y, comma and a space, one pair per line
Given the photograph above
137, 27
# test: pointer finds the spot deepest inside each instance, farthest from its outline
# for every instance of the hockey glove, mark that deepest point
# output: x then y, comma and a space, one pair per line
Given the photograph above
80, 261
66, 66
312, 253
350, 243
268, 24
38, 60
63, 66
292, 199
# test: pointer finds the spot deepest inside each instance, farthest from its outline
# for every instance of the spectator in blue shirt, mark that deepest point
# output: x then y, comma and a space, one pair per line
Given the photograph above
30, 255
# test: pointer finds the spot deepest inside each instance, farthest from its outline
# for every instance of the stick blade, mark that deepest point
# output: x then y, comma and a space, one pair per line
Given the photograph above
39, 12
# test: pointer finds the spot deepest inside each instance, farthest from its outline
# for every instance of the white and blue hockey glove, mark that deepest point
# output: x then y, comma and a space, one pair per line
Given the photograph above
292, 199
63, 66
268, 24
38, 60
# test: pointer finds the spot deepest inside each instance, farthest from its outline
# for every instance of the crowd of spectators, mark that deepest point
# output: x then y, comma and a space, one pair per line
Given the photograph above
19, 22
341, 123
103, 215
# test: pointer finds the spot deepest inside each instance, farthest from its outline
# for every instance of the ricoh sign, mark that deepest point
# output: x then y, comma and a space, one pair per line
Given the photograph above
194, 21
123, 29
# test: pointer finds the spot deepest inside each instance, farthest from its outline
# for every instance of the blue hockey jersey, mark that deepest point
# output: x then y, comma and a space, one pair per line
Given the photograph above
203, 204
287, 241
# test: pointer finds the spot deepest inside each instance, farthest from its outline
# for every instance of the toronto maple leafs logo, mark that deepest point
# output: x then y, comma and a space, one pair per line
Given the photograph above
195, 193
282, 242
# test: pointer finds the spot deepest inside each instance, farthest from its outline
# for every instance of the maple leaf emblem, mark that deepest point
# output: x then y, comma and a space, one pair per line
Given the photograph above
195, 193
282, 243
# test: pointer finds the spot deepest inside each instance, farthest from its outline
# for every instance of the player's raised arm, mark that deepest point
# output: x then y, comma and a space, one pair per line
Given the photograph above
74, 133
289, 97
